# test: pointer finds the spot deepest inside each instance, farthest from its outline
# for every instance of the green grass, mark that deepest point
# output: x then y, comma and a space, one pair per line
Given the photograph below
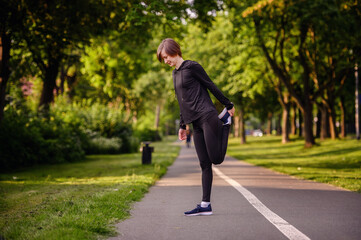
337, 162
78, 200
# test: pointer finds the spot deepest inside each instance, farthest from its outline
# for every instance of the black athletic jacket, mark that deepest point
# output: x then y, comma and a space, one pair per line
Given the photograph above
190, 84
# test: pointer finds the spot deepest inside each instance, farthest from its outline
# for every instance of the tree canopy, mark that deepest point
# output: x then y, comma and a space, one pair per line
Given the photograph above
266, 56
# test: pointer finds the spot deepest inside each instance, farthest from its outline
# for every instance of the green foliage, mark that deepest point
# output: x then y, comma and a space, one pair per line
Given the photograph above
26, 140
70, 131
147, 135
307, 47
107, 51
98, 120
235, 63
110, 67
102, 145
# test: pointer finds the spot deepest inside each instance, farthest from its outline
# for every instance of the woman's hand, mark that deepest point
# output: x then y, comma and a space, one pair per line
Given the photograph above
182, 134
231, 112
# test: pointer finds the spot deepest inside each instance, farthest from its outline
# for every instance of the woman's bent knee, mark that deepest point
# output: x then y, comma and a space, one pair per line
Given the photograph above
218, 160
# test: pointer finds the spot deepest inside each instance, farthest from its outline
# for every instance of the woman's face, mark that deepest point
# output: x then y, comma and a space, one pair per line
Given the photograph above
170, 60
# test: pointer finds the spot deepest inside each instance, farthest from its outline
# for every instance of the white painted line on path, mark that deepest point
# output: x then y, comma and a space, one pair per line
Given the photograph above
287, 229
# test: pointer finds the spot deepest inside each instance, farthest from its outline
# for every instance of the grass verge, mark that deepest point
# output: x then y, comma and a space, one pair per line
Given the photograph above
336, 162
78, 200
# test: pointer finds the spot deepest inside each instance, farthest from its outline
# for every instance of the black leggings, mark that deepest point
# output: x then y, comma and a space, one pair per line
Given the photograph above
210, 140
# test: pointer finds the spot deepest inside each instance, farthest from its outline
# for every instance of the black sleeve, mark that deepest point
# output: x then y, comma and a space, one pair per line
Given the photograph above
181, 123
204, 79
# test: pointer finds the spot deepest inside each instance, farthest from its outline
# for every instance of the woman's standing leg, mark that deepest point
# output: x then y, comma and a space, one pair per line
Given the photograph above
210, 140
204, 160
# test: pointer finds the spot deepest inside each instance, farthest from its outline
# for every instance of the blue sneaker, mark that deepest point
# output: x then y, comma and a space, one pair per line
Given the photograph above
225, 117
199, 211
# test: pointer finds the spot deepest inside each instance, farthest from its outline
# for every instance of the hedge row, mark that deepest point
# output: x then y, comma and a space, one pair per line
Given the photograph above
67, 134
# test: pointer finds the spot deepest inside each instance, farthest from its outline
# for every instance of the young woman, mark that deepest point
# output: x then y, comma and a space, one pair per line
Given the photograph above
210, 130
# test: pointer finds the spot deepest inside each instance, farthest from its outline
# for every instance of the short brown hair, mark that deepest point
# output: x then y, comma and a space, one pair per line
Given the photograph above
170, 46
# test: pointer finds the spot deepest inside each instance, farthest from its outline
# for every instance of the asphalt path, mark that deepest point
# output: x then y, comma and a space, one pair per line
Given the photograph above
248, 202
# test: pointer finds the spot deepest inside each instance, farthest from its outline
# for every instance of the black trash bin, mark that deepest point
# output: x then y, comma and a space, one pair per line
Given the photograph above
147, 153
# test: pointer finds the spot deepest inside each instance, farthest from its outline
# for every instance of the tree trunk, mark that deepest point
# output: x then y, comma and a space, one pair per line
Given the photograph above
269, 123
157, 115
303, 100
49, 84
324, 123
331, 116
343, 120
241, 126
70, 80
285, 103
236, 126
300, 123
318, 124
128, 109
293, 119
5, 45
285, 123
308, 125
278, 125
307, 88
332, 124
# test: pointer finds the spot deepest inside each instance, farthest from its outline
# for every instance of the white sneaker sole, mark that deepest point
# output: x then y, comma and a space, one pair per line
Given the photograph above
199, 214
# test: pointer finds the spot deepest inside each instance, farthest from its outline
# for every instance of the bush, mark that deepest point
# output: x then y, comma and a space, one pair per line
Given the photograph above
147, 135
27, 140
102, 145
20, 143
97, 120
65, 135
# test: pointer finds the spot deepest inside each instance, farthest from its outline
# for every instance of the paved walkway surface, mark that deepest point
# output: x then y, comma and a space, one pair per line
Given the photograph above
248, 202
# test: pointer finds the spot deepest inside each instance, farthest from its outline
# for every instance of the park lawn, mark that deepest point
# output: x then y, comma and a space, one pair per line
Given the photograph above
336, 162
79, 200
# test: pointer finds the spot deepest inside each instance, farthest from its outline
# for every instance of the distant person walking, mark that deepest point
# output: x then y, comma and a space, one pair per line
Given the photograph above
210, 129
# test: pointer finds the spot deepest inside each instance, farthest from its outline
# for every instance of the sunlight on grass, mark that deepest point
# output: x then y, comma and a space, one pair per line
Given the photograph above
336, 162
78, 200
79, 181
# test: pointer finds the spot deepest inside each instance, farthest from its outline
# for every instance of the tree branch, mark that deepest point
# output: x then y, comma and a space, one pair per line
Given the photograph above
283, 76
36, 55
303, 62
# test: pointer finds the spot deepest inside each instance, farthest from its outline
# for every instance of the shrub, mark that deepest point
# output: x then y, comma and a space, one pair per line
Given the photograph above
96, 120
20, 143
147, 135
65, 135
102, 145
27, 140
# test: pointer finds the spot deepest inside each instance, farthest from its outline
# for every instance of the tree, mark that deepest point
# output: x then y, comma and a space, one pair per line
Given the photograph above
154, 87
53, 30
279, 18
235, 63
11, 14
110, 68
54, 27
247, 76
327, 54
307, 25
